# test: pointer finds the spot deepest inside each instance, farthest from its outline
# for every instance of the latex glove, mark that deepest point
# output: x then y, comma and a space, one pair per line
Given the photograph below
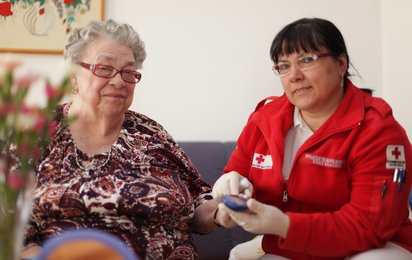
260, 218
232, 183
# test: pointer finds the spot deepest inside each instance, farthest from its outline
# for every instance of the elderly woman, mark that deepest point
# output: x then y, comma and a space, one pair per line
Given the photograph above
113, 169
326, 163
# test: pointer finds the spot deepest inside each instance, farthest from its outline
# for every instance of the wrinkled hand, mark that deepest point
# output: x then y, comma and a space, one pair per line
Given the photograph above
30, 252
232, 183
260, 219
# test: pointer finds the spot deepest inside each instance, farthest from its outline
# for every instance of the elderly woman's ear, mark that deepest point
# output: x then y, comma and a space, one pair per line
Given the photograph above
75, 88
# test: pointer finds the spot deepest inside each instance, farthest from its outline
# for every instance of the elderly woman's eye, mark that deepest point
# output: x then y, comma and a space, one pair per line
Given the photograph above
105, 68
129, 74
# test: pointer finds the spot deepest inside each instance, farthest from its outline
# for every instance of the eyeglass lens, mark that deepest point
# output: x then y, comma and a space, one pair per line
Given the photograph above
109, 72
283, 68
105, 71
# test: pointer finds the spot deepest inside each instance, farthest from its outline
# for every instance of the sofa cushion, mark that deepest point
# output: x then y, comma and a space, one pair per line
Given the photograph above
210, 158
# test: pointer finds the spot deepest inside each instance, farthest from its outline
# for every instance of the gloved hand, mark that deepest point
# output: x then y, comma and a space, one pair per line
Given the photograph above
232, 183
260, 218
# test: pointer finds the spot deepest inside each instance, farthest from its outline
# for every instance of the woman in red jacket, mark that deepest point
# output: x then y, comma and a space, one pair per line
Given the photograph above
325, 163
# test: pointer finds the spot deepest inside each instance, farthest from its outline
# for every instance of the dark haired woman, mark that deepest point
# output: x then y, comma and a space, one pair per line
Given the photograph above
325, 163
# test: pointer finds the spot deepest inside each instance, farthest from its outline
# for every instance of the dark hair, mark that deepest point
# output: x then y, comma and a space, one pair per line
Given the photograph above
309, 34
367, 90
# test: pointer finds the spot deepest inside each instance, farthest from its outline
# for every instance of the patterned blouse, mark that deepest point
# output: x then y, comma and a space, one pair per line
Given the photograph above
144, 190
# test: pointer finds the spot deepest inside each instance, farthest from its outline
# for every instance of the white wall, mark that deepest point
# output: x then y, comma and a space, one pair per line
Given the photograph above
397, 54
208, 61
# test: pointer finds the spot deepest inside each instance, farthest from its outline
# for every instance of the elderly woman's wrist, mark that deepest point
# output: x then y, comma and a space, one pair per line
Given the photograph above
30, 245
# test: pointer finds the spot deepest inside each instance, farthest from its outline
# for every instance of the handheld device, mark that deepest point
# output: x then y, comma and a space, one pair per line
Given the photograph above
235, 202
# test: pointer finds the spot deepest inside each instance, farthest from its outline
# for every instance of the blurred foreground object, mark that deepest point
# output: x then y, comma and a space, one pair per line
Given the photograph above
24, 131
85, 244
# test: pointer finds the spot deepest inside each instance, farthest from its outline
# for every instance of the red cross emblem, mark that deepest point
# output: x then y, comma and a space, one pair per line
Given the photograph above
395, 156
396, 153
260, 159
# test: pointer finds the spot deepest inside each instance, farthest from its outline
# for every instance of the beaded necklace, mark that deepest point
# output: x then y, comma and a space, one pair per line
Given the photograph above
87, 167
90, 166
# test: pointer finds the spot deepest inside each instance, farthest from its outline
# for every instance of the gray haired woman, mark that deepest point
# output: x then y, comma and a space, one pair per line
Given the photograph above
113, 169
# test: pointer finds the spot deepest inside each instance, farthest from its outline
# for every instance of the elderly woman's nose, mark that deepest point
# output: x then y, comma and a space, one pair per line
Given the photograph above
118, 80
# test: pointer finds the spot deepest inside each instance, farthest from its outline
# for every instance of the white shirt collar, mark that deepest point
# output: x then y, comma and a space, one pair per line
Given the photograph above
299, 121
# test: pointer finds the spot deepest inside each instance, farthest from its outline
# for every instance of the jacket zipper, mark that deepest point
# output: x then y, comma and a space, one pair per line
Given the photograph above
285, 196
285, 192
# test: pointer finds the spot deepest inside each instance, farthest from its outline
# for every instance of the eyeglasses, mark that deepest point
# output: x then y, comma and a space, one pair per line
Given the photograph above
105, 71
283, 68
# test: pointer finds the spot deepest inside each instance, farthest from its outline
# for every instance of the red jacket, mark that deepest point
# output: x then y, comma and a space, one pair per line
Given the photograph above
341, 196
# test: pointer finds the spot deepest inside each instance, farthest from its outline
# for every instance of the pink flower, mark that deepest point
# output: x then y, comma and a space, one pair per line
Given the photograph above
7, 109
24, 129
39, 124
15, 181
24, 134
51, 91
26, 80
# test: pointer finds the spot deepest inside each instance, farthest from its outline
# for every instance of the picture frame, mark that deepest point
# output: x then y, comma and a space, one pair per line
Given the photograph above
43, 26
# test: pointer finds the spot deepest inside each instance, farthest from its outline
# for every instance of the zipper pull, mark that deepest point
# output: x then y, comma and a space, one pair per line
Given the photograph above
285, 196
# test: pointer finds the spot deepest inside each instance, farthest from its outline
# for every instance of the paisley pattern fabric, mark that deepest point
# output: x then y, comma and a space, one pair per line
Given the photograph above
144, 190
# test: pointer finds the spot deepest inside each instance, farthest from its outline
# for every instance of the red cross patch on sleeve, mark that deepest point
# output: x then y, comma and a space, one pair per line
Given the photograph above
262, 161
395, 157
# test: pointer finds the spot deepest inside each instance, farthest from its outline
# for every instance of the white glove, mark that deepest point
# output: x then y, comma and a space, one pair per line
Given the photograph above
232, 183
260, 218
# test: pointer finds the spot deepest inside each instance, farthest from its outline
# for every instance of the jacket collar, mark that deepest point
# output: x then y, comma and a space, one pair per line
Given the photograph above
350, 112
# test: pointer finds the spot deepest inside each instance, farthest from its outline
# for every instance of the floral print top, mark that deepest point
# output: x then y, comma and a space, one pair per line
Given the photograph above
144, 190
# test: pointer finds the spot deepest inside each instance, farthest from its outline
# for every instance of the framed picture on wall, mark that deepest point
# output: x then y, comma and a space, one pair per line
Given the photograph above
43, 26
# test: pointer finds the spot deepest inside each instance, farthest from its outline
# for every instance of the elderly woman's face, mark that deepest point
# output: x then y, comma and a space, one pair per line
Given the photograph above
109, 96
316, 88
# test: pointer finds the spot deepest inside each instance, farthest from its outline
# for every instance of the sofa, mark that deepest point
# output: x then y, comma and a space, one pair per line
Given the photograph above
210, 158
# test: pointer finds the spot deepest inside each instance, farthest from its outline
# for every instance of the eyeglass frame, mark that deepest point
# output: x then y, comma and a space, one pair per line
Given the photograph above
315, 56
92, 68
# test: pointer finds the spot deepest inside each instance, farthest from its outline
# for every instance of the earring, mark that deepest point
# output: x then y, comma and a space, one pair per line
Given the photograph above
75, 90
